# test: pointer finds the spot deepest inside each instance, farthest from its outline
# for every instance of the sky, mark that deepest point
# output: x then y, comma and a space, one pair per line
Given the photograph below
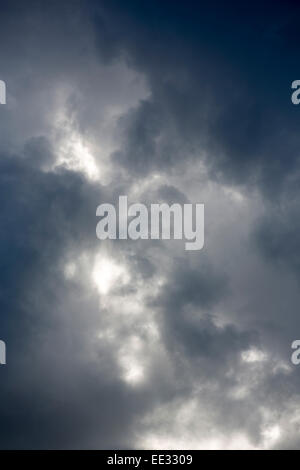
123, 344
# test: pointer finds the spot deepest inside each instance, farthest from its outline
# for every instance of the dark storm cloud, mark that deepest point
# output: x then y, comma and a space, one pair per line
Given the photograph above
53, 394
277, 236
61, 388
220, 77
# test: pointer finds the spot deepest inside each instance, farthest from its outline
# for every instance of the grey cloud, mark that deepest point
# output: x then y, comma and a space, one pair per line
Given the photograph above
211, 98
173, 86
